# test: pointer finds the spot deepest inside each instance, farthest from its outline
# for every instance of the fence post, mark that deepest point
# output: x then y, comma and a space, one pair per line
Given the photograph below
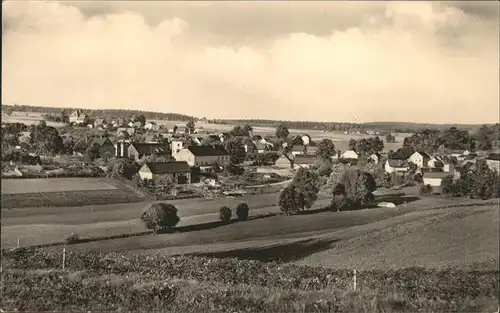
18, 242
354, 280
64, 258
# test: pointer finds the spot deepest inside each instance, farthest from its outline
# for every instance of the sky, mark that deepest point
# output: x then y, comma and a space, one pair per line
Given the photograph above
337, 61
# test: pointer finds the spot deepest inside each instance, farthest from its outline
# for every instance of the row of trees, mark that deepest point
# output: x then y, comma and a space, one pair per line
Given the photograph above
367, 146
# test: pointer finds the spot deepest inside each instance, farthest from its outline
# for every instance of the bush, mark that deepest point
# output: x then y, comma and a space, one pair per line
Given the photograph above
225, 214
160, 216
72, 238
242, 211
425, 190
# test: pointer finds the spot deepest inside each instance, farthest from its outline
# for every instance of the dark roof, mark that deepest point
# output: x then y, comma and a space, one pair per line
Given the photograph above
168, 167
424, 154
305, 159
207, 150
398, 163
437, 174
494, 157
298, 148
150, 148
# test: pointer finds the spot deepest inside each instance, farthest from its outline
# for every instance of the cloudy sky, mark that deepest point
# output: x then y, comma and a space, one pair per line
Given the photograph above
325, 61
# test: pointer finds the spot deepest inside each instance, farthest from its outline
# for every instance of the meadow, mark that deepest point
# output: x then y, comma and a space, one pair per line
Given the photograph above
28, 118
115, 282
54, 185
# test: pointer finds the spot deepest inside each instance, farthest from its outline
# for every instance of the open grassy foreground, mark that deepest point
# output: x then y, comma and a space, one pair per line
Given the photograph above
33, 281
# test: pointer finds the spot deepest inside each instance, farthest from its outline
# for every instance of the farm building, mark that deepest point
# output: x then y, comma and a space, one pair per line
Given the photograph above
77, 117
419, 158
435, 162
435, 179
493, 161
176, 146
203, 156
106, 147
121, 148
99, 122
395, 165
161, 173
304, 161
129, 130
137, 151
284, 161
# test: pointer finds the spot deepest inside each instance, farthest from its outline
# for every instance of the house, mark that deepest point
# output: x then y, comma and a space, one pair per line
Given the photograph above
121, 148
285, 161
129, 130
302, 160
419, 158
77, 117
99, 122
152, 126
435, 161
375, 158
396, 165
263, 146
137, 151
435, 179
152, 138
493, 161
162, 173
203, 156
311, 150
176, 146
106, 147
350, 155
299, 149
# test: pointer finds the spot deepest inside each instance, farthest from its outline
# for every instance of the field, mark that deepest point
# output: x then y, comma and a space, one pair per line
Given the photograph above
21, 193
53, 185
28, 118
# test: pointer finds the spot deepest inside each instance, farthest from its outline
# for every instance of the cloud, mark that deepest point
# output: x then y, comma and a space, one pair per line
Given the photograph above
426, 62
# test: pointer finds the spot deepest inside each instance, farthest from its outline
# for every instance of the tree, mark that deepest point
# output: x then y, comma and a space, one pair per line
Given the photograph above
307, 182
140, 118
242, 211
290, 199
175, 129
93, 152
354, 188
352, 144
456, 139
324, 167
234, 146
241, 131
225, 214
46, 138
160, 216
326, 149
390, 138
248, 129
190, 127
282, 131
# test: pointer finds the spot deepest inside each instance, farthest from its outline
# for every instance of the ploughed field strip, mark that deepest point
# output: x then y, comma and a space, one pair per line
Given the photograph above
42, 185
69, 198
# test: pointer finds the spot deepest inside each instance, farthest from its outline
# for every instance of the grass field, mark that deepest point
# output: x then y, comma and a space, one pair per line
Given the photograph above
19, 186
64, 192
28, 118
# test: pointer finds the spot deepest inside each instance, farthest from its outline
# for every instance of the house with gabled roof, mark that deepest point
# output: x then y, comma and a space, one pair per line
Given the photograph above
152, 126
419, 158
77, 117
203, 156
163, 173
396, 165
106, 147
98, 122
138, 150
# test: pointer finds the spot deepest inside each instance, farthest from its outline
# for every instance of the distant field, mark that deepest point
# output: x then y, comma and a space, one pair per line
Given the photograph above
64, 192
15, 186
27, 118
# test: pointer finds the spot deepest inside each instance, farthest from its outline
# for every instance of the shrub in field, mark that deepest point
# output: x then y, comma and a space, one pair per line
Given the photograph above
242, 211
160, 216
225, 214
290, 199
354, 188
425, 190
72, 238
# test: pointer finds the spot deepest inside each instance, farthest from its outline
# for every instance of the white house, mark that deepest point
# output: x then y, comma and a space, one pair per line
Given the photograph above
393, 165
306, 140
152, 126
435, 161
77, 117
349, 154
419, 158
203, 156
435, 179
162, 173
176, 146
